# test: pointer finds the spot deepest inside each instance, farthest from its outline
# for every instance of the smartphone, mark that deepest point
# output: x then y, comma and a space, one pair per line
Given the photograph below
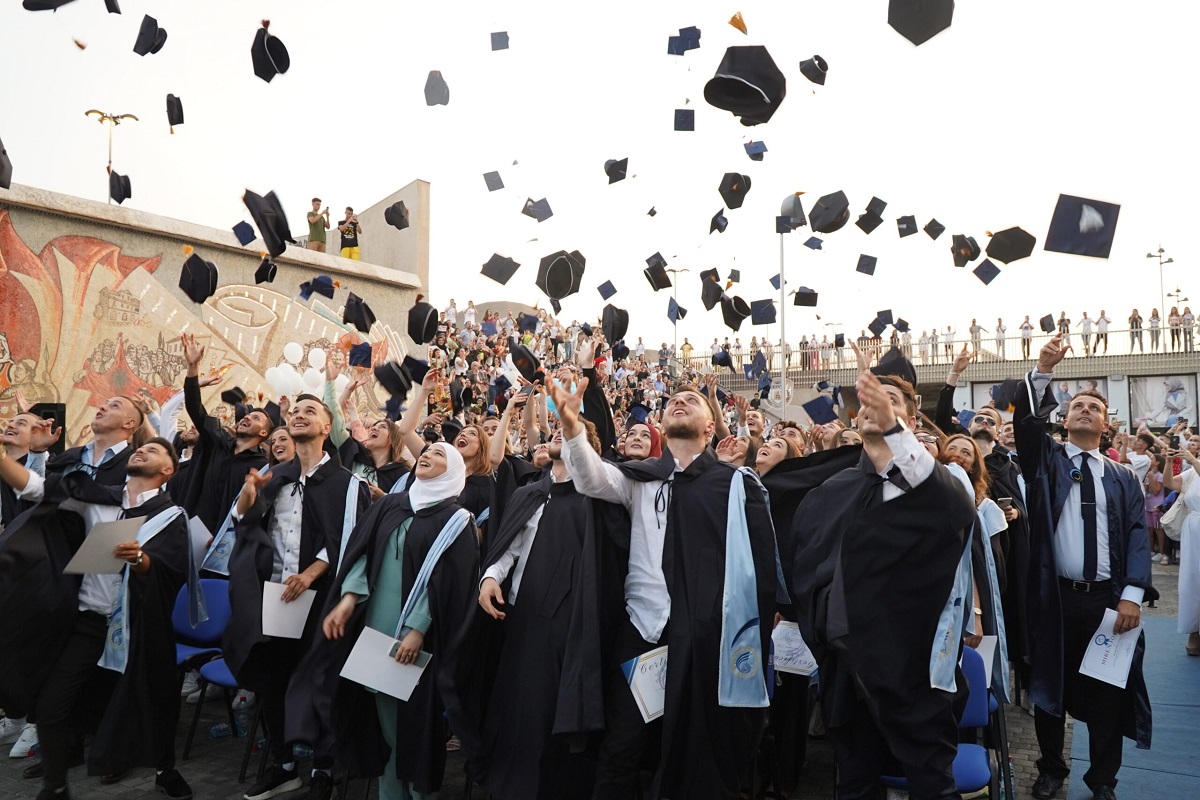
1004, 502
1175, 442
527, 390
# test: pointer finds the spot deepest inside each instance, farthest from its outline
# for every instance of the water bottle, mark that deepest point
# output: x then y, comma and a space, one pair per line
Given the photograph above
220, 730
302, 752
241, 716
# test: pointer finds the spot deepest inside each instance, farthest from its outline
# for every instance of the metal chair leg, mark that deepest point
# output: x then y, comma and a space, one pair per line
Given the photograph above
251, 736
187, 745
1000, 732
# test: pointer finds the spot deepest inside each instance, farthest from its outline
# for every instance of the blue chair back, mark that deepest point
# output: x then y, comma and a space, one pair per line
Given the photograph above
975, 715
216, 601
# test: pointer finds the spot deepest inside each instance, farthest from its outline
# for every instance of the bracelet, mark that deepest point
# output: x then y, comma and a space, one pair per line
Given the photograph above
140, 557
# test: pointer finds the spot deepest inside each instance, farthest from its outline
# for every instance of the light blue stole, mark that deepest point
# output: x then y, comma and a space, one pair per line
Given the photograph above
350, 518
944, 657
450, 531
742, 669
216, 558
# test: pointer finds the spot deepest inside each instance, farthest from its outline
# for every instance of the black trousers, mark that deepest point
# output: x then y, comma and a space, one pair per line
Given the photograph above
276, 660
65, 682
626, 735
1095, 702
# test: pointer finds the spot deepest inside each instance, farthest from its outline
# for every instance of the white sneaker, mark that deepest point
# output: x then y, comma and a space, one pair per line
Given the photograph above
25, 744
194, 697
191, 684
10, 729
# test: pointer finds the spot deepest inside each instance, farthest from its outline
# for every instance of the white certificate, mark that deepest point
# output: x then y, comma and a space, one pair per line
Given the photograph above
199, 535
1109, 655
647, 678
373, 664
791, 653
95, 555
284, 620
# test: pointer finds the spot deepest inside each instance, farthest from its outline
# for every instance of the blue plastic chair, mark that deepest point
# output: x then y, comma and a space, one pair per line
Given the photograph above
194, 646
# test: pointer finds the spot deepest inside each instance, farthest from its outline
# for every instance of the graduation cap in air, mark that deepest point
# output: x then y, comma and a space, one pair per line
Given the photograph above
266, 270
527, 323
198, 278
839, 340
500, 40
422, 321
783, 224
719, 222
359, 355
710, 274
920, 20
150, 38
493, 181
722, 395
866, 264
174, 111
872, 218
775, 280
451, 428
1046, 323
762, 312
656, 273
756, 150
396, 215
358, 313
906, 226
586, 328
721, 358
1010, 244
234, 396
1004, 394
830, 213
711, 294
398, 379
113, 6
813, 243
620, 351
437, 92
559, 274
268, 53
119, 188
733, 311
964, 248
805, 296
638, 412
500, 268
734, 188
44, 5
747, 84
652, 212
820, 410
934, 229
616, 169
244, 232
885, 316
814, 69
1082, 227
986, 271
6, 168
615, 322
538, 209
271, 221
895, 363
675, 312
901, 325
525, 362
877, 327
322, 285
606, 290
685, 120
793, 210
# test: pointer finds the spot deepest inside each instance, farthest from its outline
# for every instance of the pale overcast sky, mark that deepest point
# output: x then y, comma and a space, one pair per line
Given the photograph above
981, 127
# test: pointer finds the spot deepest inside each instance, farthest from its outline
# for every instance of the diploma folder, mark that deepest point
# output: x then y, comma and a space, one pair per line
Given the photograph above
373, 664
95, 555
647, 679
284, 620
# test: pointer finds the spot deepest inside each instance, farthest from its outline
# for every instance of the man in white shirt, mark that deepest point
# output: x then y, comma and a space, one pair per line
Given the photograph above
1136, 453
1102, 323
1026, 336
1085, 329
1001, 329
452, 313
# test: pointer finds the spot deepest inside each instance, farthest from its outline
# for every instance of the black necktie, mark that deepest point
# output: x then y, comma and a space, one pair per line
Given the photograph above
1087, 499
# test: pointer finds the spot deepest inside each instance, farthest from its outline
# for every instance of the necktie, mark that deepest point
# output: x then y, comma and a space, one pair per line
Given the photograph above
1087, 498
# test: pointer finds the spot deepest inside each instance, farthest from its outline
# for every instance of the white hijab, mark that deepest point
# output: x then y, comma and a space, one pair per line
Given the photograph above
426, 493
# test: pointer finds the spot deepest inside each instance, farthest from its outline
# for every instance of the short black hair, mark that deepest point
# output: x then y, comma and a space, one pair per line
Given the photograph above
170, 448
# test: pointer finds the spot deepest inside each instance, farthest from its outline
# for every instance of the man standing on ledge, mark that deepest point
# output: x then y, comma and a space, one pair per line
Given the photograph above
318, 223
1082, 563
350, 229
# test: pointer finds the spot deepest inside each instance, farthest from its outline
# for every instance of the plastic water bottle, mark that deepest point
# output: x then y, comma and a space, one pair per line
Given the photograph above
220, 730
241, 716
302, 752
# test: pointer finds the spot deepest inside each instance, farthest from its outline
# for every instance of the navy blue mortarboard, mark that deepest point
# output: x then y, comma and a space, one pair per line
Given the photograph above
266, 270
775, 280
538, 209
685, 119
616, 169
735, 275
322, 284
638, 412
502, 384
527, 323
748, 371
986, 271
822, 385
764, 383
813, 243
606, 290
656, 260
901, 325
1082, 227
244, 232
150, 38
793, 209
964, 418
500, 40
500, 268
885, 315
437, 91
721, 358
755, 150
358, 313
1004, 394
906, 226
675, 312
360, 355
493, 181
586, 328
722, 395
710, 274
620, 351
872, 218
688, 39
711, 294
762, 312
877, 326
820, 410
830, 213
805, 297
934, 229
866, 264
719, 222
783, 224
759, 365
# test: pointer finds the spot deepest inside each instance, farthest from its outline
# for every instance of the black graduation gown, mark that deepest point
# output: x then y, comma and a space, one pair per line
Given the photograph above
871, 580
1047, 471
10, 504
110, 473
1013, 571
354, 452
452, 589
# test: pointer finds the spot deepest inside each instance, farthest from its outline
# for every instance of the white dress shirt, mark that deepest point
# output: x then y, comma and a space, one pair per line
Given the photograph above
99, 593
911, 458
35, 489
518, 553
286, 525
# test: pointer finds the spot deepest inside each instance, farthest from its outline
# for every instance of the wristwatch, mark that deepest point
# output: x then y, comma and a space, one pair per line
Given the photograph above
140, 558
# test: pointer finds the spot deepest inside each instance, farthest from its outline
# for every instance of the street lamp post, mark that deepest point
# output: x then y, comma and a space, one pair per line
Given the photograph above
1162, 295
109, 121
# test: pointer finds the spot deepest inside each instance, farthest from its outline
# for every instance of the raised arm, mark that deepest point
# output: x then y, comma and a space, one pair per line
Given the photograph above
712, 381
408, 422
944, 415
592, 476
496, 454
1034, 405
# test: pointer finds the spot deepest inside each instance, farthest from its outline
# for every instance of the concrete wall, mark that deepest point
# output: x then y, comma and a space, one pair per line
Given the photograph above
90, 306
406, 250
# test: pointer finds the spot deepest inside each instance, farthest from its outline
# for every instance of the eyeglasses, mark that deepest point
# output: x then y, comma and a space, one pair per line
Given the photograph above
927, 439
991, 423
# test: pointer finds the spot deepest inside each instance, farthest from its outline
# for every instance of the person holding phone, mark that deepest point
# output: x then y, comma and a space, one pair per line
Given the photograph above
1188, 487
350, 229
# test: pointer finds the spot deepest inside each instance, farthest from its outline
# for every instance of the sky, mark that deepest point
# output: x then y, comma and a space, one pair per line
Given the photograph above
982, 127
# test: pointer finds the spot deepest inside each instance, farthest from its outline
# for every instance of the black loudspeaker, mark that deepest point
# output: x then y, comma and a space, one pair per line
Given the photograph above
58, 413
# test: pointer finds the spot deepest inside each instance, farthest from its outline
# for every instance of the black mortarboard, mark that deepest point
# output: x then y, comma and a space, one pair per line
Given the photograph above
656, 273
813, 243
234, 396
396, 215
119, 188
174, 111
1082, 227
557, 306
358, 313
775, 279
986, 271
895, 363
493, 181
359, 355
906, 226
733, 311
616, 169
500, 40
273, 412
620, 351
934, 229
1004, 394
719, 222
721, 358
198, 278
747, 84
451, 428
866, 264
6, 168
656, 260
322, 285
920, 20
839, 340
113, 6
395, 378
1010, 244
606, 290
500, 268
586, 328
755, 150
885, 315
814, 69
735, 275
422, 321
269, 54
560, 273
877, 326
651, 212
271, 221
538, 209
762, 312
710, 274
734, 188
244, 232
502, 385
901, 325
783, 224
793, 209
615, 322
964, 248
638, 413
872, 218
820, 409
525, 362
150, 38
685, 119
44, 5
266, 271
437, 93
675, 311
830, 213
711, 294
1046, 323
805, 297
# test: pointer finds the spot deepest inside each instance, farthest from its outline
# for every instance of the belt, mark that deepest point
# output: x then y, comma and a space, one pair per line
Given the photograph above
1085, 586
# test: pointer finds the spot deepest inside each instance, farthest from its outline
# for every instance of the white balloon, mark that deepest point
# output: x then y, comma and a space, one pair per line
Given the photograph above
341, 382
316, 358
296, 382
276, 380
293, 352
313, 378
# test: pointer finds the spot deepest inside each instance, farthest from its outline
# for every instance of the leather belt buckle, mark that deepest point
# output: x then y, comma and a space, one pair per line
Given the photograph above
1081, 586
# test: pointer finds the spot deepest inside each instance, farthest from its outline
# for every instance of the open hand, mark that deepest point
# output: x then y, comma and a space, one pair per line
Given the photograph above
334, 626
491, 598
